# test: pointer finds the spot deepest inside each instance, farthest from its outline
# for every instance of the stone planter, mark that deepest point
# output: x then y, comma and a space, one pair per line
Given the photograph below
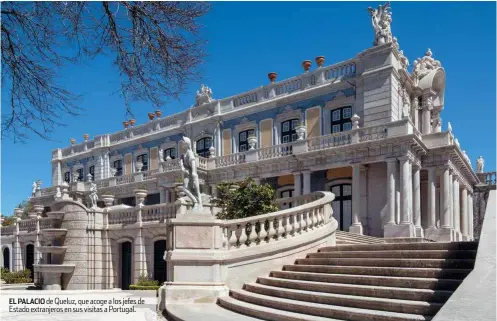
73, 141
300, 130
306, 64
140, 195
108, 200
139, 166
252, 141
158, 113
132, 122
320, 61
125, 124
151, 116
272, 76
86, 136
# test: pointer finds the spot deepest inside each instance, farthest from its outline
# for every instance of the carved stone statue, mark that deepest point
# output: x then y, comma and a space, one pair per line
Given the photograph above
58, 195
204, 96
93, 194
423, 66
35, 187
188, 165
479, 164
406, 102
381, 19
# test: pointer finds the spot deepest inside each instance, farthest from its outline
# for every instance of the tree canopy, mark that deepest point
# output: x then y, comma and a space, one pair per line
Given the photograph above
155, 46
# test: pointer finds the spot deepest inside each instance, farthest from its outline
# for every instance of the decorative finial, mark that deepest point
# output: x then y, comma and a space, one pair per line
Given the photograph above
449, 126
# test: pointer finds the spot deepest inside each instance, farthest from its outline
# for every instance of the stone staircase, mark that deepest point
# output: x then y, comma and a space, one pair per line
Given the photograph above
360, 282
351, 238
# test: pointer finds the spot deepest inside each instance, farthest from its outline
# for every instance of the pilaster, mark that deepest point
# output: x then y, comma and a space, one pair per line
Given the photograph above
297, 184
416, 188
356, 226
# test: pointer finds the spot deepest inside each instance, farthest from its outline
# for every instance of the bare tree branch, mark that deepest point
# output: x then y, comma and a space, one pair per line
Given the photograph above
155, 46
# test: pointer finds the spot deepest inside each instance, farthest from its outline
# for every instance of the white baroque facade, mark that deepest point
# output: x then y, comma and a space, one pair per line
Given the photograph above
367, 129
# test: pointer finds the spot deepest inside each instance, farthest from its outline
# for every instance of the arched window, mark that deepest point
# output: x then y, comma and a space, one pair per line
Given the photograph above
67, 177
203, 146
342, 205
288, 133
80, 175
118, 165
340, 119
144, 159
92, 172
242, 139
171, 152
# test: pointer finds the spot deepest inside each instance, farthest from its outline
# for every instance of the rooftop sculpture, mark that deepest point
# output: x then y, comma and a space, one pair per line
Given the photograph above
381, 19
204, 96
479, 164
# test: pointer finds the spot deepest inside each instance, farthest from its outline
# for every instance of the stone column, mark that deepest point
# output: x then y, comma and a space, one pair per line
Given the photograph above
356, 226
391, 178
297, 184
414, 106
162, 198
405, 180
470, 217
307, 182
464, 214
455, 207
18, 264
451, 199
432, 191
416, 188
426, 126
445, 213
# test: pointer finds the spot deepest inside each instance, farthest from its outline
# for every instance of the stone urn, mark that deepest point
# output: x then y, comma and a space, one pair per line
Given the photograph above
151, 116
18, 212
86, 136
125, 124
320, 61
139, 166
158, 113
132, 122
252, 141
306, 64
140, 195
73, 141
212, 151
300, 129
108, 200
272, 76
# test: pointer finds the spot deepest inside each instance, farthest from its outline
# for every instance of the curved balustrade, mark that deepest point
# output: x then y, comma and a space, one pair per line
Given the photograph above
228, 160
333, 140
275, 151
281, 225
45, 222
202, 162
127, 216
159, 212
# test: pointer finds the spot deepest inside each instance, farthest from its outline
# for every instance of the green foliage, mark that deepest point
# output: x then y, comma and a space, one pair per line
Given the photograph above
3, 271
144, 287
144, 280
16, 277
244, 199
8, 220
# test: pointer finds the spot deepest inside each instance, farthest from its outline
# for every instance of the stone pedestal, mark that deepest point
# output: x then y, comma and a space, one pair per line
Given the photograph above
356, 229
399, 230
418, 230
439, 234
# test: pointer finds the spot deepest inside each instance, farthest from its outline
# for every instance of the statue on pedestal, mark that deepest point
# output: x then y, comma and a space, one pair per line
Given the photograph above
93, 194
479, 164
35, 187
381, 19
191, 186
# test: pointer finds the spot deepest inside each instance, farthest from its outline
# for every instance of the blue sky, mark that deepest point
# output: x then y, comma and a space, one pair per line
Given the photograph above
246, 40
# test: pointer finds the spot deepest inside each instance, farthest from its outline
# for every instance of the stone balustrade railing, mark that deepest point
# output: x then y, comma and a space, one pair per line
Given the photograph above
123, 216
275, 151
7, 230
125, 179
27, 225
171, 165
49, 190
231, 159
202, 162
45, 222
296, 200
488, 178
278, 226
333, 140
159, 212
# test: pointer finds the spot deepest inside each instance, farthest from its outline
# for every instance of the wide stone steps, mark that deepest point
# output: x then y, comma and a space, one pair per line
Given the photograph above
359, 282
351, 238
360, 290
416, 254
322, 310
372, 280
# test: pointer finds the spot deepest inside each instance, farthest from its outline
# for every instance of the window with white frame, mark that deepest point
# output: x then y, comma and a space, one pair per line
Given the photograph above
340, 119
342, 205
91, 170
243, 139
203, 146
144, 159
67, 177
171, 152
288, 133
80, 174
118, 165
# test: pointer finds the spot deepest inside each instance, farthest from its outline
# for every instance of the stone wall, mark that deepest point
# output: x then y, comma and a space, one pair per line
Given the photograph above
480, 199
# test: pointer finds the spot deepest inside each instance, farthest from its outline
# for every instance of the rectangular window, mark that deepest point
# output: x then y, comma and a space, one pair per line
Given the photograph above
144, 159
118, 165
286, 126
340, 119
92, 172
288, 133
80, 175
347, 112
335, 129
347, 126
243, 136
67, 177
336, 115
286, 139
294, 124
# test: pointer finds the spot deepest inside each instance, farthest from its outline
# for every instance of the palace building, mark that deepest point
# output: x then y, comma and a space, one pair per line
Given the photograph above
366, 129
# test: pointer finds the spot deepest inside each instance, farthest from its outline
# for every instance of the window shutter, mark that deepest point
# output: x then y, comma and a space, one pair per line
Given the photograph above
127, 164
266, 129
154, 158
226, 141
313, 117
